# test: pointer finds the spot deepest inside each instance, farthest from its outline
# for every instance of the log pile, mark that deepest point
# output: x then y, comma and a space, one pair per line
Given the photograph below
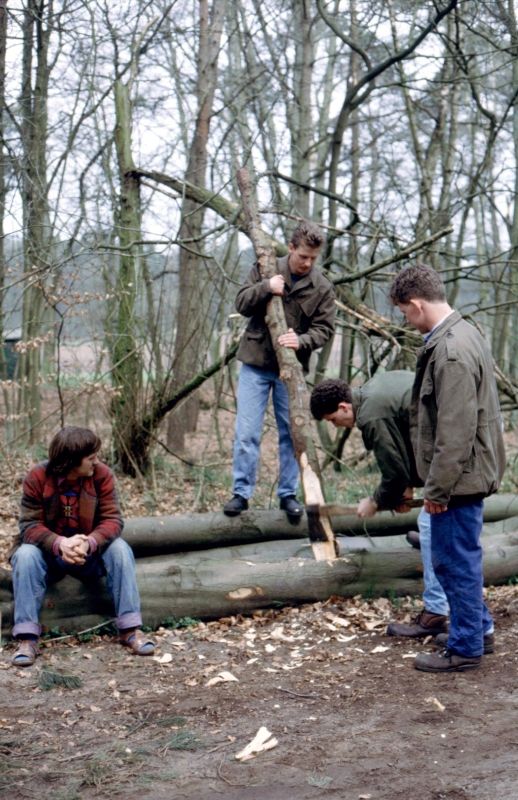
275, 566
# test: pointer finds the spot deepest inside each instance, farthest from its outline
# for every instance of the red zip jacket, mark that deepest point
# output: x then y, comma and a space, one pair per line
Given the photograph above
99, 513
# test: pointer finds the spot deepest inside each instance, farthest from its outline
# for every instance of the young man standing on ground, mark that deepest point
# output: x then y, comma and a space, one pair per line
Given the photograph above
308, 300
380, 409
456, 431
70, 523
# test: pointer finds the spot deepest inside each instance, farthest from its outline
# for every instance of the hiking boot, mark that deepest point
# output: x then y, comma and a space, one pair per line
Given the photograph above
291, 506
446, 661
489, 642
412, 538
424, 624
235, 506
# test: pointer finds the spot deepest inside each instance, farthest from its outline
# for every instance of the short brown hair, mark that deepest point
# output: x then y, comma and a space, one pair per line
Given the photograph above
327, 395
68, 448
417, 282
309, 234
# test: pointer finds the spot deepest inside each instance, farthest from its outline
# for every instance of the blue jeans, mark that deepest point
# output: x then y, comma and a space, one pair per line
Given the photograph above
433, 595
252, 398
32, 567
457, 560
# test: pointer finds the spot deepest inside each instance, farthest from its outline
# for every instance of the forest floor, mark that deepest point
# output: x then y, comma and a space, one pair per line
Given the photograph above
352, 718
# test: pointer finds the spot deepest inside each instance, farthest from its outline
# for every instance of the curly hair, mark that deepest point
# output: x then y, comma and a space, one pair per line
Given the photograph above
326, 396
418, 281
68, 448
309, 234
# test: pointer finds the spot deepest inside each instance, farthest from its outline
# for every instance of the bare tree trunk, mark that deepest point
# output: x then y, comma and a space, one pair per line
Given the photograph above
300, 119
127, 366
34, 129
291, 373
3, 190
190, 318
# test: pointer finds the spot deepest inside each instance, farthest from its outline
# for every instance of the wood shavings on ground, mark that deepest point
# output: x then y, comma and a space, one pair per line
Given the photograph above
259, 744
166, 658
223, 677
436, 703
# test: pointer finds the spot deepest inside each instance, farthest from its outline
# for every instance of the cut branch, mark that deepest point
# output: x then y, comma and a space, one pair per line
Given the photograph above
291, 373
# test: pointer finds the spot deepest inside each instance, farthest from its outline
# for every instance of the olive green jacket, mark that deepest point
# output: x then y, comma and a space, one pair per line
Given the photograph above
382, 411
455, 420
309, 307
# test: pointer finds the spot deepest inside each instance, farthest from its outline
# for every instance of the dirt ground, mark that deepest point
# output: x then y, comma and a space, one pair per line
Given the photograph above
352, 717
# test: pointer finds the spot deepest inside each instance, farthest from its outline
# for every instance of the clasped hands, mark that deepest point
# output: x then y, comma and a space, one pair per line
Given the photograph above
289, 339
73, 550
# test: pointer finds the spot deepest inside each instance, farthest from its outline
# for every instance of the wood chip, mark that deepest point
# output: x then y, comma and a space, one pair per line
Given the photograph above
259, 744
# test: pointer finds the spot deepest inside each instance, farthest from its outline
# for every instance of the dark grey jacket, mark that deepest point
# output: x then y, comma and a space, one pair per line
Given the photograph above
455, 420
382, 410
309, 307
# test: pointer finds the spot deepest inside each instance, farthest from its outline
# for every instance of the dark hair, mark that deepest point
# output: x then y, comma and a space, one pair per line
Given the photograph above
68, 448
309, 234
418, 281
326, 396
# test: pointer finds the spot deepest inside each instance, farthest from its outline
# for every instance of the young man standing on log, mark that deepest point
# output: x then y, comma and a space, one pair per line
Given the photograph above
308, 300
380, 409
70, 523
456, 431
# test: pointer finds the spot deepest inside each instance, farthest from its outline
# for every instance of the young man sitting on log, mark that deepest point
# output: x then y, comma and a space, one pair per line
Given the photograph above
308, 300
380, 409
456, 430
70, 523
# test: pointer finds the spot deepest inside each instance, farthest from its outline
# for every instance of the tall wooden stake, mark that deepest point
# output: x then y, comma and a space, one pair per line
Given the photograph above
320, 531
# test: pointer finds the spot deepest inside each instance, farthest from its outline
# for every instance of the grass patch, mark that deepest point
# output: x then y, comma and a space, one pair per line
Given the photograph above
171, 722
320, 781
182, 740
48, 679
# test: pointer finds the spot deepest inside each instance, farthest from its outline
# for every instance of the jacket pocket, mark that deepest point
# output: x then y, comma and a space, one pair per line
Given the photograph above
427, 451
426, 390
308, 305
256, 336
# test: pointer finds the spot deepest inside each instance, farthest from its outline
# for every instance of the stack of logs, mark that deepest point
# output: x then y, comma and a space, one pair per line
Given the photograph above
208, 565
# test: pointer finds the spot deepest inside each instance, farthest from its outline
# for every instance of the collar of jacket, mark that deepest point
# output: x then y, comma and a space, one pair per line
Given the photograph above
442, 330
284, 269
51, 486
356, 401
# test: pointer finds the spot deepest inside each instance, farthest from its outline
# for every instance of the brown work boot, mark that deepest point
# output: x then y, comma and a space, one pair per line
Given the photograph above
424, 624
446, 661
489, 642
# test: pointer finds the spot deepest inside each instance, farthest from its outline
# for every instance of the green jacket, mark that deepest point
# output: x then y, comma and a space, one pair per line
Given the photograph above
382, 408
309, 307
455, 420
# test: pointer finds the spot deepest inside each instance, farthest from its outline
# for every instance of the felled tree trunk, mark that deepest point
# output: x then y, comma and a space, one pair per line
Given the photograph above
150, 536
212, 583
290, 370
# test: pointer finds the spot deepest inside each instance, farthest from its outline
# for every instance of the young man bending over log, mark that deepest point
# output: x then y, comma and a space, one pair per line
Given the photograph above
380, 409
70, 522
456, 431
308, 299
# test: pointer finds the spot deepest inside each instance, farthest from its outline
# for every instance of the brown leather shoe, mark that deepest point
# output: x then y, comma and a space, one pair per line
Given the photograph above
138, 642
26, 653
424, 624
446, 661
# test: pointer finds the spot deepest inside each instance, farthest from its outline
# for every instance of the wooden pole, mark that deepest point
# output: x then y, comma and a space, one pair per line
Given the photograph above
321, 532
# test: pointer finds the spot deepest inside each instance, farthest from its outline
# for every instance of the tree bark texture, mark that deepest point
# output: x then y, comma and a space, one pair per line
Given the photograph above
150, 536
191, 309
127, 368
291, 373
212, 583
